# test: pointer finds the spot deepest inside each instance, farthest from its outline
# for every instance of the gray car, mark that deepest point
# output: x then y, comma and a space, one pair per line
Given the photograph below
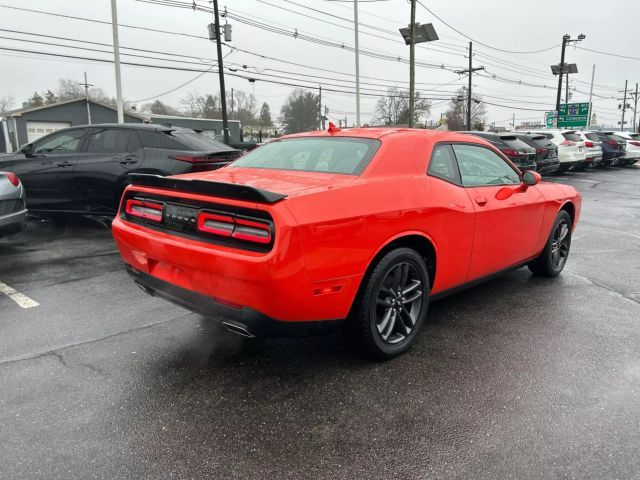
13, 210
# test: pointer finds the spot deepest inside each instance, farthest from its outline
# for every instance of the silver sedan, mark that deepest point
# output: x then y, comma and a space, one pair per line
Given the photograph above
13, 210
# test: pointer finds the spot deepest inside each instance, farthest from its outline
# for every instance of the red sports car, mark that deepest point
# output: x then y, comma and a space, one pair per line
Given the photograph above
358, 228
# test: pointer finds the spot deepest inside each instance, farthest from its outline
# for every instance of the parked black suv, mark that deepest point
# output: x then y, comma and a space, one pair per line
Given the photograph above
613, 146
546, 152
84, 169
521, 154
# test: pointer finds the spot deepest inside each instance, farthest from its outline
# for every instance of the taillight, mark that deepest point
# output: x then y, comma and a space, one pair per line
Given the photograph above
510, 152
13, 178
540, 150
588, 144
567, 143
216, 224
612, 142
235, 227
144, 209
192, 159
635, 144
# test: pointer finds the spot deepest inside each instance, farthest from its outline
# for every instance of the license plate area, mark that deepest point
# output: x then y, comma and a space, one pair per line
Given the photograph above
180, 217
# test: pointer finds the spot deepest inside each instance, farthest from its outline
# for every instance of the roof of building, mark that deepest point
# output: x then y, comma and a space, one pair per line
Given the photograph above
21, 111
179, 117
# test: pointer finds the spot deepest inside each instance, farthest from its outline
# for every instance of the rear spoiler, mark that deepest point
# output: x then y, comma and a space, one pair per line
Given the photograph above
217, 189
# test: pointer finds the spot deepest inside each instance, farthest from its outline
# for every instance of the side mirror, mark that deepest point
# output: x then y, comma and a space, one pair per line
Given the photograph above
531, 178
27, 149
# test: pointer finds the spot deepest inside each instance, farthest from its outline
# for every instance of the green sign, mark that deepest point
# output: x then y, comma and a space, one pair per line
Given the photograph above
550, 119
573, 115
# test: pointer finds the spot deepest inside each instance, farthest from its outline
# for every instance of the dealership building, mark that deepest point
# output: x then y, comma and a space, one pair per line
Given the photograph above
28, 124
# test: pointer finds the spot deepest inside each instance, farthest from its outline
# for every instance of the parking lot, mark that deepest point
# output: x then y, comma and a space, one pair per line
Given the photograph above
522, 377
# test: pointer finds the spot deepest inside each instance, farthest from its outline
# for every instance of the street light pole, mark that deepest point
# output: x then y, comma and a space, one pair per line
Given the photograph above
565, 38
116, 57
624, 105
412, 62
355, 23
223, 96
593, 76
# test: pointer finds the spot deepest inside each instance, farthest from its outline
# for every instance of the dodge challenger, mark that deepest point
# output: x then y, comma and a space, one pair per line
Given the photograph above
357, 229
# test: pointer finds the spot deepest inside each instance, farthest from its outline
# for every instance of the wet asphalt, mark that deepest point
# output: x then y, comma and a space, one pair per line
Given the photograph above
521, 377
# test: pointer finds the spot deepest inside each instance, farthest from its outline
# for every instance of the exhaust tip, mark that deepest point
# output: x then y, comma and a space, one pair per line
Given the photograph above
237, 329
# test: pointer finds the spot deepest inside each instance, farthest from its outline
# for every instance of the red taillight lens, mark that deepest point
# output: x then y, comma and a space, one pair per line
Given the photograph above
192, 159
540, 150
13, 178
251, 231
510, 152
612, 142
588, 144
221, 225
144, 209
234, 227
567, 143
635, 144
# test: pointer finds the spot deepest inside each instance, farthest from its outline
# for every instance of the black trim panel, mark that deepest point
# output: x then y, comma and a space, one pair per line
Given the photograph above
253, 322
477, 281
217, 189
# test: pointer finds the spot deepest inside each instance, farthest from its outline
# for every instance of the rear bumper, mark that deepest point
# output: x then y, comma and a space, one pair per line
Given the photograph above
548, 166
275, 284
245, 321
13, 222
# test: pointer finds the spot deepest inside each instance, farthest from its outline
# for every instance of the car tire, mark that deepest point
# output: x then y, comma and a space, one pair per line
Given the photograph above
391, 306
556, 251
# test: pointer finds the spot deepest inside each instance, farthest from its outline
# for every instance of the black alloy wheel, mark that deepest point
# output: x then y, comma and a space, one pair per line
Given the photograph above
556, 251
391, 306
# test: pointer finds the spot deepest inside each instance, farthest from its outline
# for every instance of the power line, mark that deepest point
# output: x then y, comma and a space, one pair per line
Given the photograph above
480, 43
609, 53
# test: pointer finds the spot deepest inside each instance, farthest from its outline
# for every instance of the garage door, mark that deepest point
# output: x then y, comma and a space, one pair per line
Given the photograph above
35, 130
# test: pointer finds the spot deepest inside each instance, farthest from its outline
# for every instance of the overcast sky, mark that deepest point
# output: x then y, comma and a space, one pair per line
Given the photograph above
517, 26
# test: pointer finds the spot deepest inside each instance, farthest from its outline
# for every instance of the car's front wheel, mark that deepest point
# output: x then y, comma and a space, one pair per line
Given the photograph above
556, 251
392, 306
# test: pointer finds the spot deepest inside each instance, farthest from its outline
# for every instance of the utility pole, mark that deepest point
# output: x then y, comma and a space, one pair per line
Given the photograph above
320, 107
355, 23
223, 96
86, 96
624, 105
470, 73
635, 109
513, 122
563, 68
326, 112
412, 62
566, 95
593, 76
116, 57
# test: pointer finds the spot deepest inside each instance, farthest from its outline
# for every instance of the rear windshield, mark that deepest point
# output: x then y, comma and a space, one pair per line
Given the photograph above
593, 136
572, 137
542, 141
309, 154
615, 137
198, 141
635, 136
513, 142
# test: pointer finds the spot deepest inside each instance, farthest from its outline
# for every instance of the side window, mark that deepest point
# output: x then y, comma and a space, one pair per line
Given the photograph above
160, 140
481, 166
63, 142
108, 140
443, 164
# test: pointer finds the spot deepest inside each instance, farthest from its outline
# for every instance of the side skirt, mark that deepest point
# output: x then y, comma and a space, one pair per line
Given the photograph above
477, 281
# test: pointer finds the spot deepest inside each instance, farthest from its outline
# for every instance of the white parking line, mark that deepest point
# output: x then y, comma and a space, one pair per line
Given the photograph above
21, 299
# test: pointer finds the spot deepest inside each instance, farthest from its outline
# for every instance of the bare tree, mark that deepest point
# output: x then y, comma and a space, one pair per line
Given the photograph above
6, 103
457, 112
158, 108
393, 108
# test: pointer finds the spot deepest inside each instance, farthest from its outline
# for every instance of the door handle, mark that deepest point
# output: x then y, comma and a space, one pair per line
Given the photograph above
481, 201
128, 161
64, 164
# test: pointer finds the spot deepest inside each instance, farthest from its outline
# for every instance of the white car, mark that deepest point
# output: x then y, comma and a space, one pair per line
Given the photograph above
592, 148
632, 154
571, 148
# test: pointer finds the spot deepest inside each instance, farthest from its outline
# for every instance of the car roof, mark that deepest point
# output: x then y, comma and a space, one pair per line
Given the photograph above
380, 132
138, 126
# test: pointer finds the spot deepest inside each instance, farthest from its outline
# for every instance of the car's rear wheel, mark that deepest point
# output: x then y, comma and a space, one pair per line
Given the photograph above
556, 251
392, 306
